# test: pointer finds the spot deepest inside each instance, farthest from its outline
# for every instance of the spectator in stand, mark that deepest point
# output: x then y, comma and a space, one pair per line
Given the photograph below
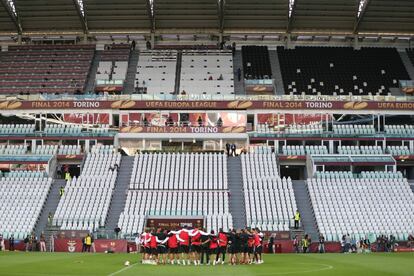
321, 247
42, 243
133, 45
220, 77
11, 243
228, 146
61, 190
219, 122
233, 150
296, 218
210, 78
296, 244
200, 121
49, 219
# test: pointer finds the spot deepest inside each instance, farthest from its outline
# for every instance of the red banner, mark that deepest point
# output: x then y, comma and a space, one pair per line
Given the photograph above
75, 245
94, 119
208, 105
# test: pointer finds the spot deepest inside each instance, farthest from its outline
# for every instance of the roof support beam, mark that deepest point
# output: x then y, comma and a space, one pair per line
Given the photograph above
221, 8
82, 16
291, 14
151, 13
13, 15
361, 9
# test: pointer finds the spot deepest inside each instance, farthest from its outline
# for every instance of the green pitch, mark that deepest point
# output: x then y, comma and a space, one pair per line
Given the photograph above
67, 264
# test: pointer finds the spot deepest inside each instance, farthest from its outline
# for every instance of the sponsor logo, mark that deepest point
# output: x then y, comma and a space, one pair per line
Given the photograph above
71, 246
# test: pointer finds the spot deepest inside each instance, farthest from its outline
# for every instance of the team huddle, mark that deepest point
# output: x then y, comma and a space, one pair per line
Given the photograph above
188, 246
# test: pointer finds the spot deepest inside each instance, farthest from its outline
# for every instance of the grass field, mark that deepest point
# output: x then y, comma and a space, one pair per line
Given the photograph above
65, 264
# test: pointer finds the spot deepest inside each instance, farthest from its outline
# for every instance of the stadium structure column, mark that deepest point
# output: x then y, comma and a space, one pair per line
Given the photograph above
288, 42
356, 43
19, 39
152, 40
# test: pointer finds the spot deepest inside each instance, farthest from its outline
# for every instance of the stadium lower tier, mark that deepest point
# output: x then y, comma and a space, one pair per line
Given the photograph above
218, 191
360, 207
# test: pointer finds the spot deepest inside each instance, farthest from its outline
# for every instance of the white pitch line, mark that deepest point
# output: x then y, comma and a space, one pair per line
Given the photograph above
122, 270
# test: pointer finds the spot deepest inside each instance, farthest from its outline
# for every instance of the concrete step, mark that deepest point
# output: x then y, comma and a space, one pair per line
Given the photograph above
407, 63
276, 72
120, 192
236, 200
238, 63
305, 208
90, 84
50, 206
129, 86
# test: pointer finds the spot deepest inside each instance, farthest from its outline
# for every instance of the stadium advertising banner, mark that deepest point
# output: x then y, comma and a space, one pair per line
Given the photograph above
174, 223
75, 245
208, 105
168, 129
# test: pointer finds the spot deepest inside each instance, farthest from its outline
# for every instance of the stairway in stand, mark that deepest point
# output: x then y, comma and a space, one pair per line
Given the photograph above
120, 193
129, 86
90, 84
236, 200
304, 205
50, 206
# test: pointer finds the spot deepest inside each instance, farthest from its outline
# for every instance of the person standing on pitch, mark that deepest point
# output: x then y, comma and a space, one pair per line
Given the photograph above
321, 247
297, 219
11, 243
42, 243
205, 248
173, 248
222, 240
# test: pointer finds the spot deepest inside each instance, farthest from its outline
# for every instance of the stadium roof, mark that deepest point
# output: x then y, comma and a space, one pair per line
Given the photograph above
208, 16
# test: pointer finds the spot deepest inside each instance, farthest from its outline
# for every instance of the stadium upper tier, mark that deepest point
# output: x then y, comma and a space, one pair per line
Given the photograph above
340, 70
45, 69
63, 69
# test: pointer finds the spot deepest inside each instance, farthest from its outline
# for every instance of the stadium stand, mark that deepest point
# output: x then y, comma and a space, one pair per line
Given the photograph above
304, 150
399, 130
196, 171
340, 70
13, 149
360, 150
269, 199
207, 72
95, 184
113, 64
398, 150
17, 129
256, 62
45, 69
156, 72
20, 219
201, 191
387, 207
354, 129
